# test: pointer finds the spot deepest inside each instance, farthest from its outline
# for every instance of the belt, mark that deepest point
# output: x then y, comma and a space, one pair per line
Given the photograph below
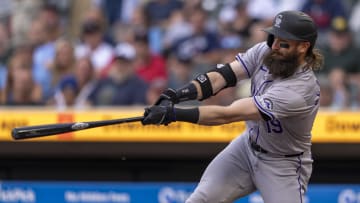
258, 148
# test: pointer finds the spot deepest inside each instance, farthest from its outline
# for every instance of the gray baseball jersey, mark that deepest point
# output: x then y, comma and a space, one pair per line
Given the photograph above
281, 174
291, 104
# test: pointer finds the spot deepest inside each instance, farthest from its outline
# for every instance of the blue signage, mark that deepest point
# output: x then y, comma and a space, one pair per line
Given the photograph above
113, 192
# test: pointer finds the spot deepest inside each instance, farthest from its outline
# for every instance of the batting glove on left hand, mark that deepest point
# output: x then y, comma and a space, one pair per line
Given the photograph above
159, 115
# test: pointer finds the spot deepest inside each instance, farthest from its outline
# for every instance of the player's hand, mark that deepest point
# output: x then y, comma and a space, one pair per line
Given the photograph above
159, 115
167, 97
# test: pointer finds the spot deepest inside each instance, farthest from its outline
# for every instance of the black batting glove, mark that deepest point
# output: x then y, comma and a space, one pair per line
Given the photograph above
159, 115
167, 97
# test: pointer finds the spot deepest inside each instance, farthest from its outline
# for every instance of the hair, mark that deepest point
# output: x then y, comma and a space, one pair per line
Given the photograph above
60, 67
22, 54
315, 59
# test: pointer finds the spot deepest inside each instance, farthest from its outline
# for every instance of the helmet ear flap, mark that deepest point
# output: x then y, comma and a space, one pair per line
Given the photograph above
270, 40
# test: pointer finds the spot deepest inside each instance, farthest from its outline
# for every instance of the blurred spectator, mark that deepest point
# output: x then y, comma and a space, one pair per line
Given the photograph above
5, 51
149, 66
342, 64
3, 73
23, 13
74, 89
237, 29
266, 10
63, 64
157, 15
237, 26
20, 88
154, 91
122, 86
44, 53
157, 12
323, 12
256, 33
174, 40
5, 44
138, 19
181, 71
189, 6
178, 27
125, 32
354, 21
6, 10
75, 17
36, 35
236, 18
119, 11
203, 44
92, 41
50, 14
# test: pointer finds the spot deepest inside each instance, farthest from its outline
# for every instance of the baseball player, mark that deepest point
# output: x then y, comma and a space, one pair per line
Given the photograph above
273, 154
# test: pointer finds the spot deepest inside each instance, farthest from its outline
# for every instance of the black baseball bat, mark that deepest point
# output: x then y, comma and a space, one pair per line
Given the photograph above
52, 129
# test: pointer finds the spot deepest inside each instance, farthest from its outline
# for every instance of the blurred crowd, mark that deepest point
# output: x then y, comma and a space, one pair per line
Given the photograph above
80, 54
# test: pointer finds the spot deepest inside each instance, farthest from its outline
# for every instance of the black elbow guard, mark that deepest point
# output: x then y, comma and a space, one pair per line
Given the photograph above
227, 73
205, 85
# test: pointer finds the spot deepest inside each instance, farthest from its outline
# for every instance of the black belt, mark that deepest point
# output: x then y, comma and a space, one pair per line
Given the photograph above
258, 148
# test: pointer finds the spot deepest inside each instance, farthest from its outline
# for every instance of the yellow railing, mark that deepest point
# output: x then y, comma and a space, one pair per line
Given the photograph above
329, 127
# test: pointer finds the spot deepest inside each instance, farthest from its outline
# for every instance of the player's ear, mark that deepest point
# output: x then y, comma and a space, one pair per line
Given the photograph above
303, 47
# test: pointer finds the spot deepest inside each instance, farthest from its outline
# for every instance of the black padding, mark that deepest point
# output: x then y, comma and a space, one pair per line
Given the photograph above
205, 84
187, 92
270, 40
190, 115
227, 73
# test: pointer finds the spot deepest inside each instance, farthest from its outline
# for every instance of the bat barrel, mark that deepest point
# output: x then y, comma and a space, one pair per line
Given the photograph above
52, 129
39, 131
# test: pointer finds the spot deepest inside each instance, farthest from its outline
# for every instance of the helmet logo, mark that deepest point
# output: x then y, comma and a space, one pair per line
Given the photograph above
278, 20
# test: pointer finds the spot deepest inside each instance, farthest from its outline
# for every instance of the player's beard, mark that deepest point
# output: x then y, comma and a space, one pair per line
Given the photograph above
280, 65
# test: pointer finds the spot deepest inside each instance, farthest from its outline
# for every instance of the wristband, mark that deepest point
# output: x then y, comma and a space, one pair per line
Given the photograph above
190, 115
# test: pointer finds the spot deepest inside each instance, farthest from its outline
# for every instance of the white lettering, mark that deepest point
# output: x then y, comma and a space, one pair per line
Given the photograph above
95, 196
169, 195
17, 195
349, 196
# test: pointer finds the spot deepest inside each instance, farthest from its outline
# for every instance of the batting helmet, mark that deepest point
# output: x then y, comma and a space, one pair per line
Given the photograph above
292, 25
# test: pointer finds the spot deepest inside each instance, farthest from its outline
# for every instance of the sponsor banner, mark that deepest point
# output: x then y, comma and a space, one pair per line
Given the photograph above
175, 132
109, 192
337, 127
328, 127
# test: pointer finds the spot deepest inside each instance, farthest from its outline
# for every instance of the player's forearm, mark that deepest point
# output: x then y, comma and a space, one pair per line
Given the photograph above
240, 110
213, 115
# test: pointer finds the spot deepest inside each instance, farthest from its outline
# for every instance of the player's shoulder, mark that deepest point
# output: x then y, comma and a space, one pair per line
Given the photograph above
301, 83
261, 47
255, 53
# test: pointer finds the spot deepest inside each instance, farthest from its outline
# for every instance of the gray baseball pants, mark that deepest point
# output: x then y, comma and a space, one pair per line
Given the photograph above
239, 170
